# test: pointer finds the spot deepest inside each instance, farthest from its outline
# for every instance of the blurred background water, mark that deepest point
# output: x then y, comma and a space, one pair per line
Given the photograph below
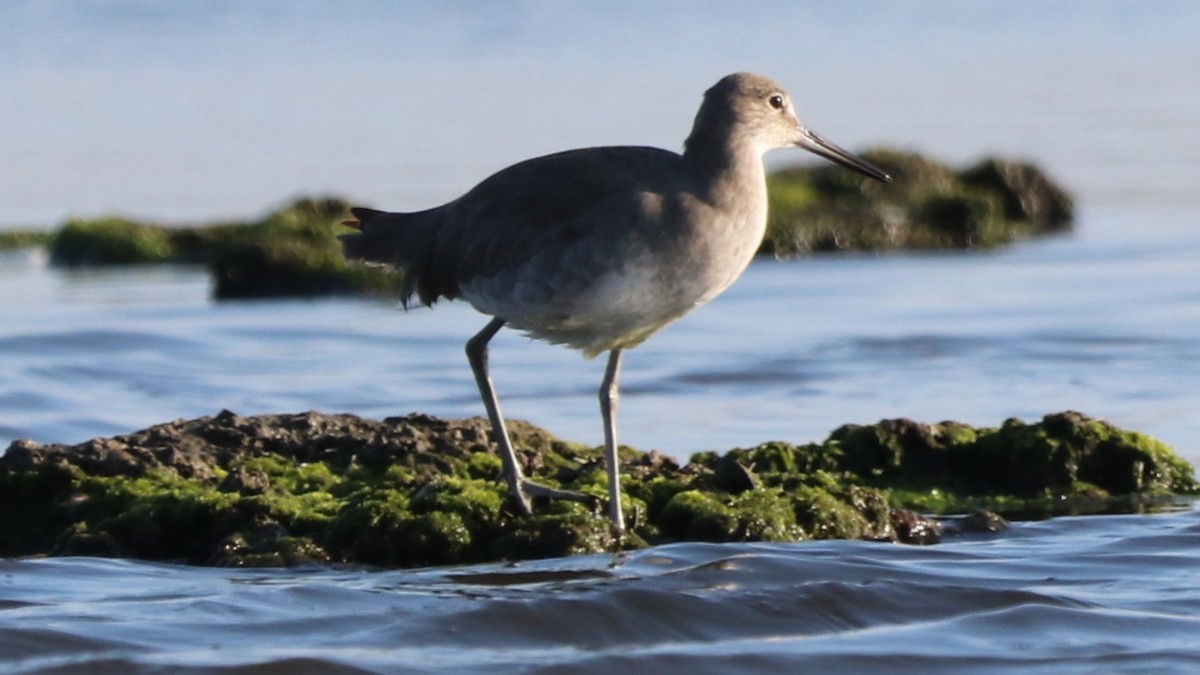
193, 111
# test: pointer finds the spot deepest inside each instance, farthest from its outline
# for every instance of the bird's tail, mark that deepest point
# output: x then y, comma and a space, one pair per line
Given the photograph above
401, 240
378, 239
361, 215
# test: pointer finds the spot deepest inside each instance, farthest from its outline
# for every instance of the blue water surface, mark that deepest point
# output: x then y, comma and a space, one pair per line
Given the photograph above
1071, 595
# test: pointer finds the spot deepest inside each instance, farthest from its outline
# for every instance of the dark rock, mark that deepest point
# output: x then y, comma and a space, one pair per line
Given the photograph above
245, 481
731, 476
1025, 192
979, 521
914, 528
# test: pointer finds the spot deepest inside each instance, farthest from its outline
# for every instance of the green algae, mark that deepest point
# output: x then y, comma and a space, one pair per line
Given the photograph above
292, 251
111, 241
926, 206
1066, 463
11, 240
693, 515
766, 515
415, 491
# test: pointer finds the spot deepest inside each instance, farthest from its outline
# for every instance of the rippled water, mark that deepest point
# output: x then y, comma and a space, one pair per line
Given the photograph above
1071, 595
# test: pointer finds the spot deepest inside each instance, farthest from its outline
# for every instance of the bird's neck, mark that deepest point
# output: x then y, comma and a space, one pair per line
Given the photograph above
726, 169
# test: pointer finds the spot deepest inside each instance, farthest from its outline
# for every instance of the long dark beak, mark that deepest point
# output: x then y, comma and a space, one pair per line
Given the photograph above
817, 145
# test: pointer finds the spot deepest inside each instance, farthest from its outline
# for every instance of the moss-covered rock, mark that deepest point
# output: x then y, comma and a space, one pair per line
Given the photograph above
1025, 193
417, 490
11, 240
926, 206
110, 241
293, 251
696, 516
1057, 455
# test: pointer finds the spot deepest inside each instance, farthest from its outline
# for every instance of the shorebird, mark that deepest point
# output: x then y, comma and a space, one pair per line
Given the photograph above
599, 248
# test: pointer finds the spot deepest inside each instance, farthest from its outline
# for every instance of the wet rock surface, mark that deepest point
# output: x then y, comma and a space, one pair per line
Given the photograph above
419, 490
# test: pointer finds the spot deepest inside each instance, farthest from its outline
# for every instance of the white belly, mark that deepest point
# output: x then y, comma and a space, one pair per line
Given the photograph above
618, 307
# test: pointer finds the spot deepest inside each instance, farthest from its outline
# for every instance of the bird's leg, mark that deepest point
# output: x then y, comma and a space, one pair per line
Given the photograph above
609, 395
522, 489
477, 355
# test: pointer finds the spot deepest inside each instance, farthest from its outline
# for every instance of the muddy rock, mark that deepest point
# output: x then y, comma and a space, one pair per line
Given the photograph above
418, 490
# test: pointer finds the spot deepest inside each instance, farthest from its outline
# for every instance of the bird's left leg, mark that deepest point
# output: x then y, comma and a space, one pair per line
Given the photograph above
521, 487
609, 396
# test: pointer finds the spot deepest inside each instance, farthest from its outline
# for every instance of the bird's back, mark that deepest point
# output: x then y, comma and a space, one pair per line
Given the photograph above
536, 210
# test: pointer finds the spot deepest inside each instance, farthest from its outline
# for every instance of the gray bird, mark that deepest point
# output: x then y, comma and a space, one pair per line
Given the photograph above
599, 248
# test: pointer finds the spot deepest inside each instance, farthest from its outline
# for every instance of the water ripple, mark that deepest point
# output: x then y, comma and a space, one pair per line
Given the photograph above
1068, 595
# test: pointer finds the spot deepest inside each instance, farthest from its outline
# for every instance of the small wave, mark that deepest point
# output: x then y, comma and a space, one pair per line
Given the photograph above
1071, 595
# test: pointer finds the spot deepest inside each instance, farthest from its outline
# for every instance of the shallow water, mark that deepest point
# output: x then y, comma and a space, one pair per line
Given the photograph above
1070, 595
793, 350
195, 111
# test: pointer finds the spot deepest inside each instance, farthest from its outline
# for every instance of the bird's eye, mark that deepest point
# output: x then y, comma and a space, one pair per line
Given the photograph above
776, 101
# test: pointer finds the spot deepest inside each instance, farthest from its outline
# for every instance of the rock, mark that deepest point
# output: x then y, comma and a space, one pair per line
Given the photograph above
110, 241
979, 521
914, 528
418, 490
12, 240
246, 481
732, 476
293, 251
927, 206
1025, 193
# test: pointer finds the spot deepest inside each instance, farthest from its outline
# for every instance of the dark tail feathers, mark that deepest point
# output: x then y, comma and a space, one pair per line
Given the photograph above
373, 242
401, 240
361, 215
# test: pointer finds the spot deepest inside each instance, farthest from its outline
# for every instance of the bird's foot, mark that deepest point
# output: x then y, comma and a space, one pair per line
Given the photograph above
530, 489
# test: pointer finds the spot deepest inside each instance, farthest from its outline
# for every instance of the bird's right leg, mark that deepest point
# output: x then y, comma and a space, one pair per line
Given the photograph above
522, 488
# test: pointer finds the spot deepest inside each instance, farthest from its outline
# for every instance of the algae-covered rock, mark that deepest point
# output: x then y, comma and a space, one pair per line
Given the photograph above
11, 240
926, 206
293, 251
281, 489
1025, 193
110, 241
1057, 454
1067, 462
418, 490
